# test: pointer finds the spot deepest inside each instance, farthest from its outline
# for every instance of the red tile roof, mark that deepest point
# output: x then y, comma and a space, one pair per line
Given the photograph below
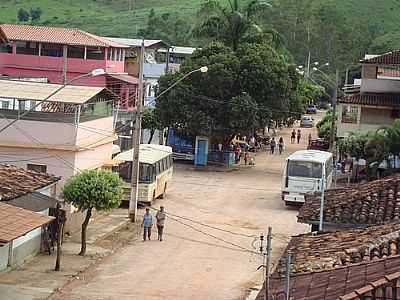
55, 35
390, 58
388, 100
16, 182
16, 222
375, 202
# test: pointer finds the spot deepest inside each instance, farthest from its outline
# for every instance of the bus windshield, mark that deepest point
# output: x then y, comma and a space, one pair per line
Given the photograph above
304, 169
146, 173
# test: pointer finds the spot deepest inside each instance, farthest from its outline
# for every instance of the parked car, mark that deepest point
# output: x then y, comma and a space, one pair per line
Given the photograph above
311, 109
307, 121
318, 144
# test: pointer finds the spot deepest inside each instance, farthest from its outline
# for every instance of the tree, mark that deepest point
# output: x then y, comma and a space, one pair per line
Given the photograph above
23, 15
150, 121
92, 189
36, 13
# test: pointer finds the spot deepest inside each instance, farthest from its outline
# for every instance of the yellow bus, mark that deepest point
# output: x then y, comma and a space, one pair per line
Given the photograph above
155, 171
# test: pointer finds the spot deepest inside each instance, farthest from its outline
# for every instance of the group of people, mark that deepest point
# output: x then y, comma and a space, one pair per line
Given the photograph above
281, 145
293, 136
147, 223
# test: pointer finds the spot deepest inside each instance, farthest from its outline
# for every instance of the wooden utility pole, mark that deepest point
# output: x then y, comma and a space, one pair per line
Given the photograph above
287, 274
136, 136
333, 125
268, 263
60, 221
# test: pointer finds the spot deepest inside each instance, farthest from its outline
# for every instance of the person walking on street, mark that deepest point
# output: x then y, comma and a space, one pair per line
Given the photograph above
293, 136
160, 217
309, 139
298, 136
147, 224
273, 145
281, 145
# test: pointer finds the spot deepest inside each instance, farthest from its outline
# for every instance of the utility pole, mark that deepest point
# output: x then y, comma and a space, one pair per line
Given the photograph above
136, 136
65, 64
309, 53
333, 125
321, 212
287, 274
268, 263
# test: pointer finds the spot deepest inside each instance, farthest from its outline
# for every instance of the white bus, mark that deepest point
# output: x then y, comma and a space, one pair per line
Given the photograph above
306, 171
155, 171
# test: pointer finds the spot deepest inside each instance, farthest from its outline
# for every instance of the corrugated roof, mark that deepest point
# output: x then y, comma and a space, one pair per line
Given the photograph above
389, 58
389, 100
180, 50
34, 201
16, 182
137, 42
374, 202
39, 91
55, 35
148, 153
16, 222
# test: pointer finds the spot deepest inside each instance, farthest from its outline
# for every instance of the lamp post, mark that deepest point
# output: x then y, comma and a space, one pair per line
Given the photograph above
93, 73
136, 134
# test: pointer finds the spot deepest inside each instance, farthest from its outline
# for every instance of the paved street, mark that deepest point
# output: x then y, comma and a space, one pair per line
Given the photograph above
191, 264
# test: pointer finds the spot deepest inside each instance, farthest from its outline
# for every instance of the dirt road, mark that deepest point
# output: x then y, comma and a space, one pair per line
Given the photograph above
191, 263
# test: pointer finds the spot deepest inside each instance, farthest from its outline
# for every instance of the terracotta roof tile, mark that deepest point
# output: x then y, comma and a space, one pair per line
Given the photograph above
16, 222
16, 182
55, 35
391, 100
375, 202
390, 58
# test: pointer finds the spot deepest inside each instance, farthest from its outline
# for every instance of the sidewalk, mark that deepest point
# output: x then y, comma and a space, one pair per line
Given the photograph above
36, 279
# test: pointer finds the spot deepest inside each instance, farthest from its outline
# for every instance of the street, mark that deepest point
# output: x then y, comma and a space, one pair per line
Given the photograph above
211, 258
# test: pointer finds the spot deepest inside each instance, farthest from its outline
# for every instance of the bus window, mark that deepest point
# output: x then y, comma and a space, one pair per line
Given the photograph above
304, 169
171, 160
145, 173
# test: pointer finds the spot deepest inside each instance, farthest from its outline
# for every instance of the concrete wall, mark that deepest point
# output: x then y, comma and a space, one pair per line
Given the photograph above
380, 86
26, 246
4, 257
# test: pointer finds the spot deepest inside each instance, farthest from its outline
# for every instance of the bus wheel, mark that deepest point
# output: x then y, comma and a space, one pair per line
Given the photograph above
164, 194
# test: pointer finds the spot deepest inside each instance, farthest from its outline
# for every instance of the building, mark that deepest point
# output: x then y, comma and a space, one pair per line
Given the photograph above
71, 131
351, 264
372, 203
25, 200
177, 55
376, 101
61, 54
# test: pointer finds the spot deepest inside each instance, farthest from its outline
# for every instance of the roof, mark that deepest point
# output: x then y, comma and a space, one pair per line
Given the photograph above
332, 284
389, 58
34, 201
389, 100
180, 50
148, 154
310, 155
55, 35
136, 43
374, 202
16, 222
124, 77
39, 91
16, 182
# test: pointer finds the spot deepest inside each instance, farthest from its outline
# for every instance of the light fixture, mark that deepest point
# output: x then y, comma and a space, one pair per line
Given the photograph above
315, 69
300, 67
316, 63
203, 69
97, 72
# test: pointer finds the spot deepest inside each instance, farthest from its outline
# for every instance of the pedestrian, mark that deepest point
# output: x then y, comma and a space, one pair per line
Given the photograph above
293, 136
281, 144
298, 136
309, 139
147, 224
160, 216
273, 145
237, 154
246, 157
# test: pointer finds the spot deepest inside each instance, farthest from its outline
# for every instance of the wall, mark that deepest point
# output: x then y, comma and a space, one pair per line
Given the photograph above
369, 71
26, 246
94, 131
380, 86
4, 257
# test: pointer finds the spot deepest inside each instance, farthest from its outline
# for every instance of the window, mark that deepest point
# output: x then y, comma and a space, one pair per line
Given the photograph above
21, 105
95, 53
5, 48
53, 50
304, 169
145, 173
37, 168
5, 104
329, 167
29, 48
349, 114
76, 52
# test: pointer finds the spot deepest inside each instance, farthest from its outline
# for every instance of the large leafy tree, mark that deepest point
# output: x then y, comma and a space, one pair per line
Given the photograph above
150, 121
92, 189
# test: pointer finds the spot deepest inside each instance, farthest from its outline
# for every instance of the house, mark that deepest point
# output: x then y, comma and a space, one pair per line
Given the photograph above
351, 264
71, 131
376, 102
61, 54
177, 55
372, 203
25, 199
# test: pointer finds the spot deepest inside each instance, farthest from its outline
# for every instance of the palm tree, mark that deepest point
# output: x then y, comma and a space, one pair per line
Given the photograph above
233, 24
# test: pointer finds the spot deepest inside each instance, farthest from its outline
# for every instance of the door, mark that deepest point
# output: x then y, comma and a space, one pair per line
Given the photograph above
201, 151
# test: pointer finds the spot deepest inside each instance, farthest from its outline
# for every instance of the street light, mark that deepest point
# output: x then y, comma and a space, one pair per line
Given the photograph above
93, 73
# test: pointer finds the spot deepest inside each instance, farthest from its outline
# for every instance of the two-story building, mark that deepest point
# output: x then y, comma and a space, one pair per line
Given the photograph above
71, 131
61, 54
375, 103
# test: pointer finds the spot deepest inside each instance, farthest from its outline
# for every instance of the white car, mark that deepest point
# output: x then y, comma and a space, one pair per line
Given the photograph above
307, 121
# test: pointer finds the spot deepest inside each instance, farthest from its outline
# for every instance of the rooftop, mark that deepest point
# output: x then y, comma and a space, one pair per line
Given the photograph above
180, 50
16, 222
313, 155
16, 182
136, 43
388, 100
55, 35
149, 153
389, 58
375, 202
34, 201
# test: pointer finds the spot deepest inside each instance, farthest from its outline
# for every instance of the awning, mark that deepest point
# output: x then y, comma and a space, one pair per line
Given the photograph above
124, 77
23, 90
16, 222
